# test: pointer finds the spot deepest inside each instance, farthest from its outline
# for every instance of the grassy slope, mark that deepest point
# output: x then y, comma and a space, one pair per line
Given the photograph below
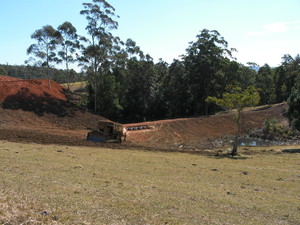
75, 86
103, 186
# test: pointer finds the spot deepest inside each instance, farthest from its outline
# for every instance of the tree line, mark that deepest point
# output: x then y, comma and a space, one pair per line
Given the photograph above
36, 72
126, 85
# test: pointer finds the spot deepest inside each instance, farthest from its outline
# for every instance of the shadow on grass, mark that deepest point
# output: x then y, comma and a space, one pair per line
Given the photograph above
291, 151
228, 156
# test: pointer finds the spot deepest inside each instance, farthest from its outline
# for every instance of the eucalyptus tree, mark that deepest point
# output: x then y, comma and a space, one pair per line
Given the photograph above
177, 90
204, 64
98, 54
44, 50
287, 76
281, 84
236, 74
68, 46
158, 106
265, 85
296, 69
133, 50
139, 88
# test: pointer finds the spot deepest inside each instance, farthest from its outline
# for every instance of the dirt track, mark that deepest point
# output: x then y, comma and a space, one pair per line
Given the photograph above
49, 119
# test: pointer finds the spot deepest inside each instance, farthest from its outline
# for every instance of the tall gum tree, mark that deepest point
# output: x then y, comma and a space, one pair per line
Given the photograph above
68, 47
44, 50
97, 54
204, 63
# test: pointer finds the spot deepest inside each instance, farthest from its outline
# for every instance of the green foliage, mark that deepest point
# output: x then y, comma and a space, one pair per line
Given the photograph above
265, 85
133, 50
140, 82
109, 91
98, 56
34, 72
69, 46
3, 71
205, 63
238, 99
287, 76
270, 125
43, 51
294, 109
274, 129
176, 89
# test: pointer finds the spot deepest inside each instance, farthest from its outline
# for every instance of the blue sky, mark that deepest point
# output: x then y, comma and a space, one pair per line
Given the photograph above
261, 30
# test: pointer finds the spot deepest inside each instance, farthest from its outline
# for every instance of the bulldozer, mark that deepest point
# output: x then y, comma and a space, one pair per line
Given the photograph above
107, 132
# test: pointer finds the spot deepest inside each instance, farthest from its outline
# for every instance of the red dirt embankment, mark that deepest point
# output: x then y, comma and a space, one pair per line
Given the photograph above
30, 89
31, 111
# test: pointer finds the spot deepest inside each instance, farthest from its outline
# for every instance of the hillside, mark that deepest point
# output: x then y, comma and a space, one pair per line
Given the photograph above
201, 132
32, 112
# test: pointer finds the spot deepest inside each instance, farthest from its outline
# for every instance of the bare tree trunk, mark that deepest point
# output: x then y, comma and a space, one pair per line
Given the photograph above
236, 138
48, 75
95, 81
68, 72
48, 69
95, 98
235, 146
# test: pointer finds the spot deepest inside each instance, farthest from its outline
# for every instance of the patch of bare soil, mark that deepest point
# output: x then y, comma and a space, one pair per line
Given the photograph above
31, 111
200, 132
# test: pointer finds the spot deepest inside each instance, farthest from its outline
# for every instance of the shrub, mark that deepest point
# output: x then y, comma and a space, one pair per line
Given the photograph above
293, 113
274, 129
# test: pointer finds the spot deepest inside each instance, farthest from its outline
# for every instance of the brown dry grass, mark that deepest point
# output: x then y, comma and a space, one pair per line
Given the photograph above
82, 185
75, 86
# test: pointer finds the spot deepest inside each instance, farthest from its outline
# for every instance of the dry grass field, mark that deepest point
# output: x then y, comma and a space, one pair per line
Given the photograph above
75, 86
52, 184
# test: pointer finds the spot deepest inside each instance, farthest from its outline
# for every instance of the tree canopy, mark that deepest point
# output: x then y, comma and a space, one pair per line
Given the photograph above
125, 83
47, 39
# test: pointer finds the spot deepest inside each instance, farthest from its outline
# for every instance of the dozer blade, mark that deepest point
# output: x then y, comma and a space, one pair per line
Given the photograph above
96, 137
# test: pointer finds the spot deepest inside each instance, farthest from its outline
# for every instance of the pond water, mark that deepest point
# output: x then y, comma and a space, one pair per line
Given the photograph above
258, 142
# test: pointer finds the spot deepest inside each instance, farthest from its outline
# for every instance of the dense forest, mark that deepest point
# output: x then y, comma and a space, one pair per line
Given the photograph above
126, 85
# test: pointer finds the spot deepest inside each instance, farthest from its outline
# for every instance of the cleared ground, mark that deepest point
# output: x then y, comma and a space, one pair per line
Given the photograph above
70, 128
33, 111
58, 184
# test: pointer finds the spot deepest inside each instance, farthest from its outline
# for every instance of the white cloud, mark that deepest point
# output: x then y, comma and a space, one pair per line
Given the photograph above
275, 28
297, 28
267, 51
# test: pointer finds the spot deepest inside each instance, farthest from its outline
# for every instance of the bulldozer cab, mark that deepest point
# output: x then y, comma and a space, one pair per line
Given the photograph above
109, 127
